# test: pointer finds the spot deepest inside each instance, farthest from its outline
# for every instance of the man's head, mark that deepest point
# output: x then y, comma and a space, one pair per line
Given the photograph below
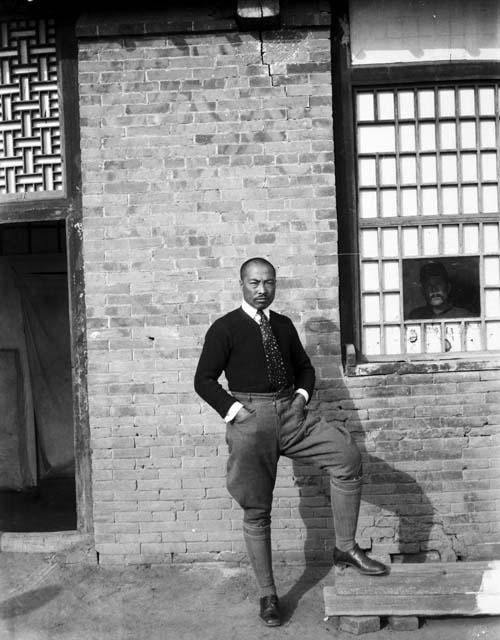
436, 286
258, 282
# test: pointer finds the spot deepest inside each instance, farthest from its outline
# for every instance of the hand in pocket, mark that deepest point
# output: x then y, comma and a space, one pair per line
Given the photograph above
242, 415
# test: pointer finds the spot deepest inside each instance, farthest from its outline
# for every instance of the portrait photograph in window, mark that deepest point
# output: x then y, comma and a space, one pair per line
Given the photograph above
441, 288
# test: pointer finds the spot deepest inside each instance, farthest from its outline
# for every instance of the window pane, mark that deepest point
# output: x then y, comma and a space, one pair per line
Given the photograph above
409, 202
428, 169
407, 137
370, 276
376, 139
390, 245
449, 168
426, 104
450, 200
493, 335
369, 243
413, 339
371, 304
471, 238
410, 242
390, 272
466, 102
427, 137
491, 270
406, 105
489, 166
447, 135
387, 171
469, 167
468, 135
385, 105
470, 200
490, 238
408, 170
365, 105
473, 337
372, 341
446, 98
392, 340
453, 337
389, 202
429, 202
487, 134
487, 101
391, 307
492, 303
490, 199
367, 172
368, 204
432, 338
450, 239
431, 240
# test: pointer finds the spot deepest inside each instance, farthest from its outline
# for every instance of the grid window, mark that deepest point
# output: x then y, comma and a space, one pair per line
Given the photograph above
429, 223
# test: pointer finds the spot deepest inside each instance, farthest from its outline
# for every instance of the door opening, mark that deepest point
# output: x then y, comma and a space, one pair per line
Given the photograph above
37, 451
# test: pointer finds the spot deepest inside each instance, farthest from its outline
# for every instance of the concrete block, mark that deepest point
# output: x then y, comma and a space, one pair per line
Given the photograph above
359, 624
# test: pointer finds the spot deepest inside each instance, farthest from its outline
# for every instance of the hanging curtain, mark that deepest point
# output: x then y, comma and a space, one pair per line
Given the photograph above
44, 302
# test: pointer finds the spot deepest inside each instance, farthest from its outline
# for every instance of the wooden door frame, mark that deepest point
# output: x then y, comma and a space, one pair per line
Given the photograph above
68, 207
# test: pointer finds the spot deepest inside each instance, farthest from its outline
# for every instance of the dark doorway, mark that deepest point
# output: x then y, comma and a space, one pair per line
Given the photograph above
37, 454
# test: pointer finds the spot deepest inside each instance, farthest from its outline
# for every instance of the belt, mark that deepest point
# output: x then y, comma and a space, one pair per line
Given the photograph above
272, 395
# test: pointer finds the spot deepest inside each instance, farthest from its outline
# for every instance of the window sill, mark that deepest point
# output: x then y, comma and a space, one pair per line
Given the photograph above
435, 363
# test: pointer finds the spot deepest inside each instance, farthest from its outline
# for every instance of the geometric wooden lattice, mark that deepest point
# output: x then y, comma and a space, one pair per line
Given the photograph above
30, 127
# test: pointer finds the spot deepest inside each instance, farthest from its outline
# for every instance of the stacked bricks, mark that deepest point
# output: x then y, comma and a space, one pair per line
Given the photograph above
198, 151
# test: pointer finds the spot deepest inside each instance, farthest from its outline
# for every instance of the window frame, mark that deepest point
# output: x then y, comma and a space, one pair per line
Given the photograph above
347, 80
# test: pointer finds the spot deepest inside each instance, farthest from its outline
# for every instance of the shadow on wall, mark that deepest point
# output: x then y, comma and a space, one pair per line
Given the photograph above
399, 517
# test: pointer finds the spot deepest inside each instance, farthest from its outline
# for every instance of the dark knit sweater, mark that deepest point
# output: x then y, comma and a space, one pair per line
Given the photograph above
233, 344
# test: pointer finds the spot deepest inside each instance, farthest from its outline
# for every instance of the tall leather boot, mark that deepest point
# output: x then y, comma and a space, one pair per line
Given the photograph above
346, 499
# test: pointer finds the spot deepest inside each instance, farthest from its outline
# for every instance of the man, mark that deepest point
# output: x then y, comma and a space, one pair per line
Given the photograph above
270, 380
436, 287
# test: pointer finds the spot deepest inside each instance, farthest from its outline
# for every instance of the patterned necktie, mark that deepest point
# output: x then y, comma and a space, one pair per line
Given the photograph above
274, 360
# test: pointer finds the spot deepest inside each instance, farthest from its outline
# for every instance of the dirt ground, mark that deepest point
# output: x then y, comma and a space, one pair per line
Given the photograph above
41, 599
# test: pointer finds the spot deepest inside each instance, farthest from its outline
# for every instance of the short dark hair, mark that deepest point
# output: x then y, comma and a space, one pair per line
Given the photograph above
250, 261
430, 269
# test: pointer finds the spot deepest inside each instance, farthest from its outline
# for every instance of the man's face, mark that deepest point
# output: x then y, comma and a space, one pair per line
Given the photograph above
436, 291
258, 285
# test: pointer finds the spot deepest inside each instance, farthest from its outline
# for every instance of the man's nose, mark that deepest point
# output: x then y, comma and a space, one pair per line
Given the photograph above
260, 287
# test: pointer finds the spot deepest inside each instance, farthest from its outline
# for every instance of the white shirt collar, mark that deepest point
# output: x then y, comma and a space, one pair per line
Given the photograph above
252, 312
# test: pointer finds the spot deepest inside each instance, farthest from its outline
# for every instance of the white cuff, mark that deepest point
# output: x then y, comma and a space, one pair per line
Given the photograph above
304, 393
233, 410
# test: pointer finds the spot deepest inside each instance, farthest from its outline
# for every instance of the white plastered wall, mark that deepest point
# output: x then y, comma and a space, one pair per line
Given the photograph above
411, 31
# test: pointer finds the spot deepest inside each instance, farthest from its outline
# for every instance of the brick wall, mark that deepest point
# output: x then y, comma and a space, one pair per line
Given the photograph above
198, 151
431, 445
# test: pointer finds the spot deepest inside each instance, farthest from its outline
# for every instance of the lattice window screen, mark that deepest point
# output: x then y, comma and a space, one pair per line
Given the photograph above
30, 126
